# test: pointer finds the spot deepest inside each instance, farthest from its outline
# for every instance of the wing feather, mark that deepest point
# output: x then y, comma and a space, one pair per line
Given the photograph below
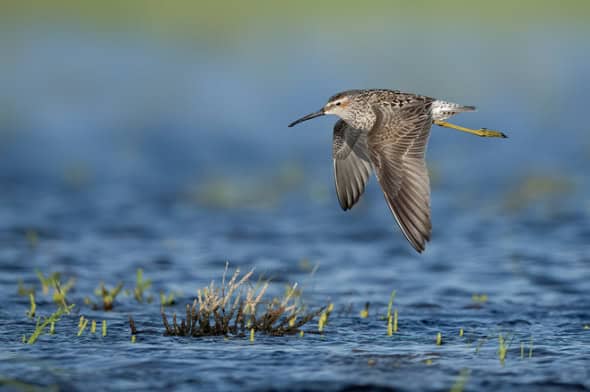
397, 146
352, 165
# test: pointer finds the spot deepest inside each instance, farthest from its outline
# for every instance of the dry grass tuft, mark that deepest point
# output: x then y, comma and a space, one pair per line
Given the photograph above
233, 309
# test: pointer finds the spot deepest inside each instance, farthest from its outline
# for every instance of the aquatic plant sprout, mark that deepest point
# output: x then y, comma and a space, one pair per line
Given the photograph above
107, 296
31, 312
502, 349
40, 327
142, 285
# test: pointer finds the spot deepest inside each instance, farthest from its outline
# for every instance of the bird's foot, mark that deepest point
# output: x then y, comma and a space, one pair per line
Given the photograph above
483, 132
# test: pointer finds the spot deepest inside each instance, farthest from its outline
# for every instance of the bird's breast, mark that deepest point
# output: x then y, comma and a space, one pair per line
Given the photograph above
361, 120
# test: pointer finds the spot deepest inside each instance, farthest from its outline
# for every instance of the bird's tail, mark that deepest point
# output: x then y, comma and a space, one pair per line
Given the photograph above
441, 110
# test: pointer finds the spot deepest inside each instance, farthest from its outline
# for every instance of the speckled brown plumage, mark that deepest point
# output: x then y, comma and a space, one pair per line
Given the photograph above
386, 131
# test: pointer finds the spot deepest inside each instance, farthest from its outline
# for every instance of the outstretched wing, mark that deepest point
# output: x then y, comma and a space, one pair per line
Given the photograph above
352, 165
397, 145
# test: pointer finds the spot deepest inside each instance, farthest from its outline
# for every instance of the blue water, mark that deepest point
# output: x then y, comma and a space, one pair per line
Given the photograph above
123, 155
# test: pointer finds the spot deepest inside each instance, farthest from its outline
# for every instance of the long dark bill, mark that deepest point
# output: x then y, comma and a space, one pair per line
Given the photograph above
308, 117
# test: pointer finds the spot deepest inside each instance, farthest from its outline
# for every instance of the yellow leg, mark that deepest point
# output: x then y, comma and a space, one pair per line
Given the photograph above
483, 132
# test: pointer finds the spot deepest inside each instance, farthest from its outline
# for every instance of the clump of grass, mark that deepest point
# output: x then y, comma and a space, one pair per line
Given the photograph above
51, 320
167, 300
232, 309
391, 319
51, 281
141, 286
439, 339
107, 297
59, 294
392, 323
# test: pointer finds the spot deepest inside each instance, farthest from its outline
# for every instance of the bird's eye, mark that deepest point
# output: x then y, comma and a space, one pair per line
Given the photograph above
338, 103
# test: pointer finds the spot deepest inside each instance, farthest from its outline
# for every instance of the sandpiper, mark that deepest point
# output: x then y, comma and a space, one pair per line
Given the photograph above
387, 131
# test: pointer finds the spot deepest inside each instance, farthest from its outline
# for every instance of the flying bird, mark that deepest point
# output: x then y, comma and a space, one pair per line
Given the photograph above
386, 132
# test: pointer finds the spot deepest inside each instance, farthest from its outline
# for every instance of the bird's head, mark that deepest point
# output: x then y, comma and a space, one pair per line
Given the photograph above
341, 105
